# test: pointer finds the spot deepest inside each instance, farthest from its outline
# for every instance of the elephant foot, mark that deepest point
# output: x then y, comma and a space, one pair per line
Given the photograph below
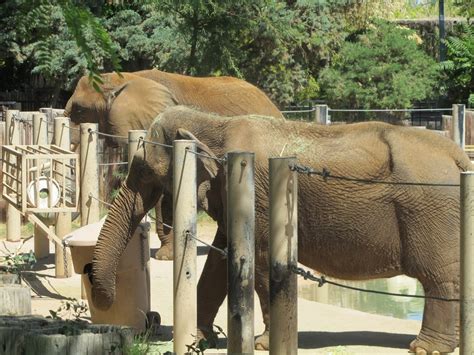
165, 252
206, 338
424, 346
262, 342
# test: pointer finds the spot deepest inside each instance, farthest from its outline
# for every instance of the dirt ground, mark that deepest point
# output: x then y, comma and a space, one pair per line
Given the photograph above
322, 329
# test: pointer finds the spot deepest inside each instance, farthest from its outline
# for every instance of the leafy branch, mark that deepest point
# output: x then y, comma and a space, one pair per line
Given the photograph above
70, 309
18, 262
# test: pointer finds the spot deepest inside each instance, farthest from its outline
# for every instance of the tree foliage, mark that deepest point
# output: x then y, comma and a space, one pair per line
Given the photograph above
459, 67
382, 68
281, 46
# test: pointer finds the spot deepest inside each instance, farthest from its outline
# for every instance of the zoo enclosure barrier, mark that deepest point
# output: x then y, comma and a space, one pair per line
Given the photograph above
283, 250
467, 246
456, 122
281, 274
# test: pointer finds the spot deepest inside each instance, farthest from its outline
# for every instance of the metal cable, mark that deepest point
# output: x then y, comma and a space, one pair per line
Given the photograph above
21, 120
189, 235
73, 128
322, 280
220, 160
221, 251
300, 111
109, 164
392, 110
156, 143
90, 130
325, 174
166, 225
101, 201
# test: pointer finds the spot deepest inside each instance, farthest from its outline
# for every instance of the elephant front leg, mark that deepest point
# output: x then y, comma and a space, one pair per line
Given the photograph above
438, 330
212, 288
164, 218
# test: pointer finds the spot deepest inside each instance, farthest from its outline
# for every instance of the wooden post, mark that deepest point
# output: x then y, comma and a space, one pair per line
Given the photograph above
134, 143
184, 266
322, 114
241, 252
283, 256
466, 342
63, 259
12, 133
459, 124
40, 137
134, 138
89, 179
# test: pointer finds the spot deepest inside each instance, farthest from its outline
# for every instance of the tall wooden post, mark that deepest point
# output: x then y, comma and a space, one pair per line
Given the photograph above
63, 260
459, 124
283, 256
184, 267
241, 252
89, 179
40, 137
134, 139
466, 342
12, 134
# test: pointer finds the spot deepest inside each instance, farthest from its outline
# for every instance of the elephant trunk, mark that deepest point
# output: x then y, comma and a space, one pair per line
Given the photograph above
124, 216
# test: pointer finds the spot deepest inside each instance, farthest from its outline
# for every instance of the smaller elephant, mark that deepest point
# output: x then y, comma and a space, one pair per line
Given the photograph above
133, 100
405, 222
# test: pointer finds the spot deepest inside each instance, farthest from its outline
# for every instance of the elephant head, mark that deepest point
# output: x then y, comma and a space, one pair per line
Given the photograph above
149, 177
122, 103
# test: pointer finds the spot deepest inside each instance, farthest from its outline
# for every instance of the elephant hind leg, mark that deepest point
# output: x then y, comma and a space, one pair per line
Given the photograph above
430, 253
440, 319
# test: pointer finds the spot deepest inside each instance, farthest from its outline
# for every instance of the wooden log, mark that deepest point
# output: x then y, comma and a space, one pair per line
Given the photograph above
8, 278
15, 300
37, 335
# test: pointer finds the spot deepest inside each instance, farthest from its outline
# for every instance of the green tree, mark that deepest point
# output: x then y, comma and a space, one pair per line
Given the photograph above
459, 67
382, 68
59, 40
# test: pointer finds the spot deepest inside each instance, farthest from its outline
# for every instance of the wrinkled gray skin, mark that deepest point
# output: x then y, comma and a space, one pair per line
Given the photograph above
133, 100
346, 230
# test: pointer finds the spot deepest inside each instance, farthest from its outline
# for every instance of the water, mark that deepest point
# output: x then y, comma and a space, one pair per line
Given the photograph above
392, 306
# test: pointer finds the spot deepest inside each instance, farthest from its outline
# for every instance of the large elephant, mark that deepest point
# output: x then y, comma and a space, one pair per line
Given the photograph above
132, 100
346, 229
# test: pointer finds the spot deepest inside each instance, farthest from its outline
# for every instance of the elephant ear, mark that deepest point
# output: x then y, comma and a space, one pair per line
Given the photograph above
135, 104
209, 164
111, 94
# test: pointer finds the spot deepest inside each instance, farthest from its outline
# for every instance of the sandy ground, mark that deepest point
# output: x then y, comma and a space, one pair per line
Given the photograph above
322, 329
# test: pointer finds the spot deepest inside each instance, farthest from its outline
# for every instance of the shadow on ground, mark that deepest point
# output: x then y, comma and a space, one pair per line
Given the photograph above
36, 280
315, 340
